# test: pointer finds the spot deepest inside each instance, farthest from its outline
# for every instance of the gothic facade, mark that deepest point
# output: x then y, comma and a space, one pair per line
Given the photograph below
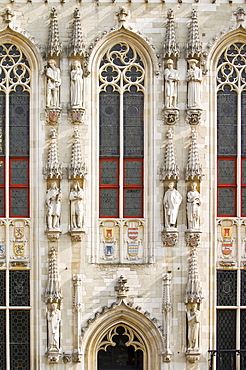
122, 168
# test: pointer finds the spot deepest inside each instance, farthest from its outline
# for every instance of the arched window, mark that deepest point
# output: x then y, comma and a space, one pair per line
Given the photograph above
14, 203
121, 133
231, 209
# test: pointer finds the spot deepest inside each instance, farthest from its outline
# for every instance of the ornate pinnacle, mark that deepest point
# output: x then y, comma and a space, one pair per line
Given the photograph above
53, 168
121, 288
77, 167
193, 291
122, 14
194, 47
78, 46
193, 168
167, 303
7, 15
170, 168
53, 291
54, 44
170, 46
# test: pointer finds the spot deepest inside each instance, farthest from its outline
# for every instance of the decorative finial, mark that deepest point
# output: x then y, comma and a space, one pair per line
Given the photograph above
240, 14
122, 288
54, 44
7, 15
122, 14
170, 46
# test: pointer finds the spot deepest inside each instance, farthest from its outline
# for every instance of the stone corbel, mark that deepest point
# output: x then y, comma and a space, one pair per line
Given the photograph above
67, 357
53, 357
170, 116
193, 239
77, 356
53, 116
76, 115
193, 116
192, 357
170, 239
53, 235
76, 235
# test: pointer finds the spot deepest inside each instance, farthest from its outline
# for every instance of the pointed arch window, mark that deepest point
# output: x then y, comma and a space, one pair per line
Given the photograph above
14, 132
121, 132
231, 131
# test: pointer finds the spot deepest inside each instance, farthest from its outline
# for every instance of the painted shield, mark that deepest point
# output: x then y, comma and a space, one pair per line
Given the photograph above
226, 247
2, 249
108, 233
53, 116
109, 249
19, 232
226, 232
132, 232
133, 249
19, 249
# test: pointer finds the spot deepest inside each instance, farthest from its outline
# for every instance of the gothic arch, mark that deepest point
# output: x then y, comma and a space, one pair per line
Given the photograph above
150, 338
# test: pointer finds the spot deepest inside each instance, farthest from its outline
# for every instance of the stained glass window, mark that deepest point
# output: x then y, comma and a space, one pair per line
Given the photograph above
226, 288
19, 322
121, 132
19, 294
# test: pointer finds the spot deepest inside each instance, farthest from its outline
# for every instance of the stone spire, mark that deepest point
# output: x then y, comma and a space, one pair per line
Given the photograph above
170, 46
78, 46
170, 168
54, 44
77, 167
193, 168
194, 47
193, 291
53, 291
53, 168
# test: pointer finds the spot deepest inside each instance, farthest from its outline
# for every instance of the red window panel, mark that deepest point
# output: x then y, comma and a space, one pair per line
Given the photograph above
109, 187
2, 187
133, 188
19, 187
227, 186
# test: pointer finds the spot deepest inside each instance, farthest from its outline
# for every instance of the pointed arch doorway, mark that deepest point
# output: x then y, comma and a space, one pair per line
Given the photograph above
120, 349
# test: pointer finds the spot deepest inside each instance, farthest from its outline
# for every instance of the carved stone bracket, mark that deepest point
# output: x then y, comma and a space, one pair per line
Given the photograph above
77, 235
192, 357
193, 239
170, 239
53, 116
227, 263
193, 116
76, 115
53, 356
19, 261
170, 116
53, 235
77, 356
67, 357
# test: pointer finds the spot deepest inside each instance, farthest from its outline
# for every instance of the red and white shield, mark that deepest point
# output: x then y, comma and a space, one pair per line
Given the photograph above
226, 247
132, 232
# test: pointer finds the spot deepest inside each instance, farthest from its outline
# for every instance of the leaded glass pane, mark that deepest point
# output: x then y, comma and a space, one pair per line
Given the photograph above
19, 172
243, 329
1, 202
19, 123
133, 125
19, 322
226, 171
226, 288
108, 172
109, 124
244, 171
133, 172
19, 202
243, 289
2, 340
19, 288
226, 329
2, 123
243, 196
2, 288
243, 123
108, 202
226, 202
227, 123
1, 172
133, 203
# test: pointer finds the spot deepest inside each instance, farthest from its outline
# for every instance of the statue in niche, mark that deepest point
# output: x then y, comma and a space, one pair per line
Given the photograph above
53, 84
53, 204
54, 319
76, 84
193, 207
171, 82
193, 317
171, 203
194, 78
77, 209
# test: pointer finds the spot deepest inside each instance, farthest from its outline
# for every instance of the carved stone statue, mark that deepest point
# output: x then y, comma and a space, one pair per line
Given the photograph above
193, 208
54, 319
76, 84
171, 82
194, 78
53, 204
171, 202
77, 209
193, 317
53, 84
